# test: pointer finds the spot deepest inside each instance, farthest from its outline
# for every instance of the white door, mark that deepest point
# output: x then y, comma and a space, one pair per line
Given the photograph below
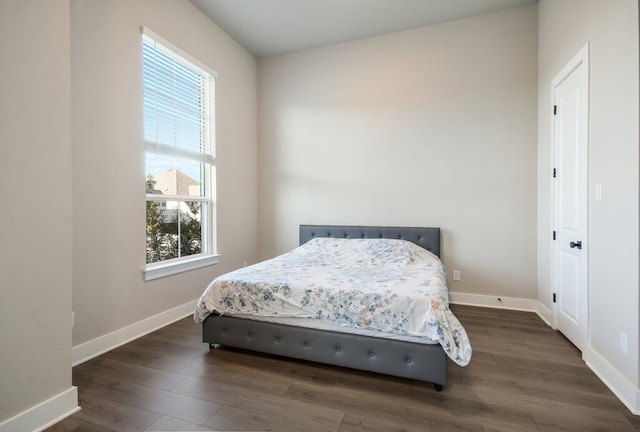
570, 150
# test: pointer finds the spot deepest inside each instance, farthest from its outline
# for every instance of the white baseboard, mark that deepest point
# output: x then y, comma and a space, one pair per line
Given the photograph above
624, 390
100, 345
528, 305
45, 414
545, 313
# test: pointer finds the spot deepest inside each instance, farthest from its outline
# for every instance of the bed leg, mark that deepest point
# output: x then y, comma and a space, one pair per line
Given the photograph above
211, 346
437, 387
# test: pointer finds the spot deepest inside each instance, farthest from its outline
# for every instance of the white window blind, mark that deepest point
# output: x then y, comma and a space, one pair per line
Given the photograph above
178, 107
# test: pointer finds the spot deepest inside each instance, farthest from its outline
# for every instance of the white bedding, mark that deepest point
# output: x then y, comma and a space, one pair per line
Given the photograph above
379, 285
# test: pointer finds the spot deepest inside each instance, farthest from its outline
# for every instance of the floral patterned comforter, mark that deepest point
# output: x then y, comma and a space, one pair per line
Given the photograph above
385, 285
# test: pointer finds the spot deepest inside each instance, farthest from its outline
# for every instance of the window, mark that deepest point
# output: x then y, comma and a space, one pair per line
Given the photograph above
179, 135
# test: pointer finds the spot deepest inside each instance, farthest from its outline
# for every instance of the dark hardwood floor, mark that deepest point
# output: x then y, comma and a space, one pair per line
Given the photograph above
523, 377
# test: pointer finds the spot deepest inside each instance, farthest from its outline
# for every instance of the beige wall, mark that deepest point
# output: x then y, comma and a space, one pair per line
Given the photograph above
35, 221
611, 29
108, 159
429, 127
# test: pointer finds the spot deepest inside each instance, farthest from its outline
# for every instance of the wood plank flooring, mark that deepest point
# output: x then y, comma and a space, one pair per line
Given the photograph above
523, 377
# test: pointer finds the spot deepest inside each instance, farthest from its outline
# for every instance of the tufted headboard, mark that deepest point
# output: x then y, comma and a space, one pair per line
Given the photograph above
428, 238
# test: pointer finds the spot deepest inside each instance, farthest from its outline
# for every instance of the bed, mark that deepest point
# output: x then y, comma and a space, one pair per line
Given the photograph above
391, 342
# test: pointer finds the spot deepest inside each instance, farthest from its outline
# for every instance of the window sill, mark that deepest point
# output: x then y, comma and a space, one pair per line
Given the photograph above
159, 270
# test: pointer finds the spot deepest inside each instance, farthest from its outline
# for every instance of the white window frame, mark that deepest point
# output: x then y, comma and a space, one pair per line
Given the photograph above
208, 256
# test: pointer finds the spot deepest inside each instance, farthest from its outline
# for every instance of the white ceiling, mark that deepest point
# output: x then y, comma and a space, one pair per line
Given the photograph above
268, 27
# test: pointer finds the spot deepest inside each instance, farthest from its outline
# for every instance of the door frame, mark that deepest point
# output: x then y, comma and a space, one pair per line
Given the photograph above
581, 58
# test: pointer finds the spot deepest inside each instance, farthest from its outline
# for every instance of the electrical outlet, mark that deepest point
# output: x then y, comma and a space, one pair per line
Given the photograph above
456, 275
623, 342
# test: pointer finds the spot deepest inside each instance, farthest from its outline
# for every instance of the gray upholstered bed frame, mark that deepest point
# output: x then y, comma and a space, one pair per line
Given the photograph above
388, 356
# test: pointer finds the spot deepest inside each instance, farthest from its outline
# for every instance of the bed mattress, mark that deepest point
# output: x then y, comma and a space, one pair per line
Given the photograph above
317, 324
